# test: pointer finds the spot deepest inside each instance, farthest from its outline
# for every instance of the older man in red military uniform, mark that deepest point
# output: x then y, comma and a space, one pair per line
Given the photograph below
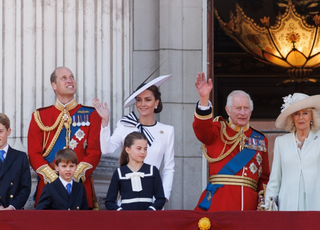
66, 124
237, 154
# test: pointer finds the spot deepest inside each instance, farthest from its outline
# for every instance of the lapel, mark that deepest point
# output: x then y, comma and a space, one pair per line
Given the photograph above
61, 189
11, 155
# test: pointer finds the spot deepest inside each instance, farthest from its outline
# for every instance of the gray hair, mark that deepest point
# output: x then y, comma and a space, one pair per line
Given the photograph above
235, 93
290, 127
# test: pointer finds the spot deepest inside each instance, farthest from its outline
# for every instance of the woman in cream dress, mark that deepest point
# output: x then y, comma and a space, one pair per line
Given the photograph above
294, 181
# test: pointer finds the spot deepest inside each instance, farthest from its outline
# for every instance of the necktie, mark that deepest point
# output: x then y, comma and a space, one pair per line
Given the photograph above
1, 155
69, 188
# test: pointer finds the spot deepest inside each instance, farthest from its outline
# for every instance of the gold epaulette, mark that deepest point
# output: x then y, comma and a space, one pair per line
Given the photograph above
81, 171
217, 118
48, 174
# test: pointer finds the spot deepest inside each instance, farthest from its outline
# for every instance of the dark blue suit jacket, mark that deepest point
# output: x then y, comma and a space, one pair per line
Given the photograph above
55, 196
15, 179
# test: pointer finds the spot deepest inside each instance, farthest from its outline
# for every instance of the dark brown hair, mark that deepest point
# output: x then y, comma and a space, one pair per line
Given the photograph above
128, 141
5, 120
157, 95
66, 155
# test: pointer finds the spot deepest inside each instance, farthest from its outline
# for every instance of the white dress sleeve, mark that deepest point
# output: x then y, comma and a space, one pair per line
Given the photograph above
168, 164
109, 144
273, 187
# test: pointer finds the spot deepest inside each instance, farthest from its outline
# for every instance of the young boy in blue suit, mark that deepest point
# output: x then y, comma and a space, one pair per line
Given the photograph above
64, 193
15, 179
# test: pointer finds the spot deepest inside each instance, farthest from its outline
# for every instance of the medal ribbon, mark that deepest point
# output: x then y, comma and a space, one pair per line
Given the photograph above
62, 137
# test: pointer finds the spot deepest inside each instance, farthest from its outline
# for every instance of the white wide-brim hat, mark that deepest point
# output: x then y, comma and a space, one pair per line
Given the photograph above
295, 103
157, 82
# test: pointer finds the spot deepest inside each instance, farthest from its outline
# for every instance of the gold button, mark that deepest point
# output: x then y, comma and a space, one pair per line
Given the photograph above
245, 174
11, 183
78, 208
11, 196
69, 209
245, 168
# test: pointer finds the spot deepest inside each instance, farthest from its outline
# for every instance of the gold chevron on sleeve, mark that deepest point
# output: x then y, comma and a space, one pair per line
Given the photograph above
48, 174
81, 171
201, 117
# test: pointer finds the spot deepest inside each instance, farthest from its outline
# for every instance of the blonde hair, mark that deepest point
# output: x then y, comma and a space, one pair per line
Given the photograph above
290, 127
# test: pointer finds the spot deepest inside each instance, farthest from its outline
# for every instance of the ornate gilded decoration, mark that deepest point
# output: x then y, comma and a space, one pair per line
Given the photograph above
204, 223
64, 120
227, 140
253, 143
81, 171
48, 174
291, 43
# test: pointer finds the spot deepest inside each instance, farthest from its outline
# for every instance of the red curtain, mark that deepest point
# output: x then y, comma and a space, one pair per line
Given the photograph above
168, 219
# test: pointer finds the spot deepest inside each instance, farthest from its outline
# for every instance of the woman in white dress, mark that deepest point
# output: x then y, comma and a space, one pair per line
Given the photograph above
294, 181
160, 136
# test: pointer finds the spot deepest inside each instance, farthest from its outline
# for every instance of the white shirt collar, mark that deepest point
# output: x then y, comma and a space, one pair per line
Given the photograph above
65, 182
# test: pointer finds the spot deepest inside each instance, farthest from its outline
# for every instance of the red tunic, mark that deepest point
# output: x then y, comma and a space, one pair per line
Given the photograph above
87, 149
230, 197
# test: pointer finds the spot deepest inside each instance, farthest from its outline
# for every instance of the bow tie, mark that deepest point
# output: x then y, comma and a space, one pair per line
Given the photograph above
132, 120
135, 180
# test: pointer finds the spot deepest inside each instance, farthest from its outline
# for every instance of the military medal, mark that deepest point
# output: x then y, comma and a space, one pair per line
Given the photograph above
78, 120
79, 134
73, 144
74, 123
87, 120
83, 123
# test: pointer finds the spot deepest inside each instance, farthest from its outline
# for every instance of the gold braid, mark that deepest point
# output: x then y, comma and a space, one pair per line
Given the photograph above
41, 125
234, 141
60, 121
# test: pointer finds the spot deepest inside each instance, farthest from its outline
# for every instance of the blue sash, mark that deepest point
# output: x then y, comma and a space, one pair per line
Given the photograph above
61, 141
231, 168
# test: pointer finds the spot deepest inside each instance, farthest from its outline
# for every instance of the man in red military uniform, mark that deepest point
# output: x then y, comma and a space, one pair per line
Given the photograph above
66, 124
237, 154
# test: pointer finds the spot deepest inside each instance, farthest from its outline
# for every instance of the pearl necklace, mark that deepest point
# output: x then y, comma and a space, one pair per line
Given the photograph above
300, 143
